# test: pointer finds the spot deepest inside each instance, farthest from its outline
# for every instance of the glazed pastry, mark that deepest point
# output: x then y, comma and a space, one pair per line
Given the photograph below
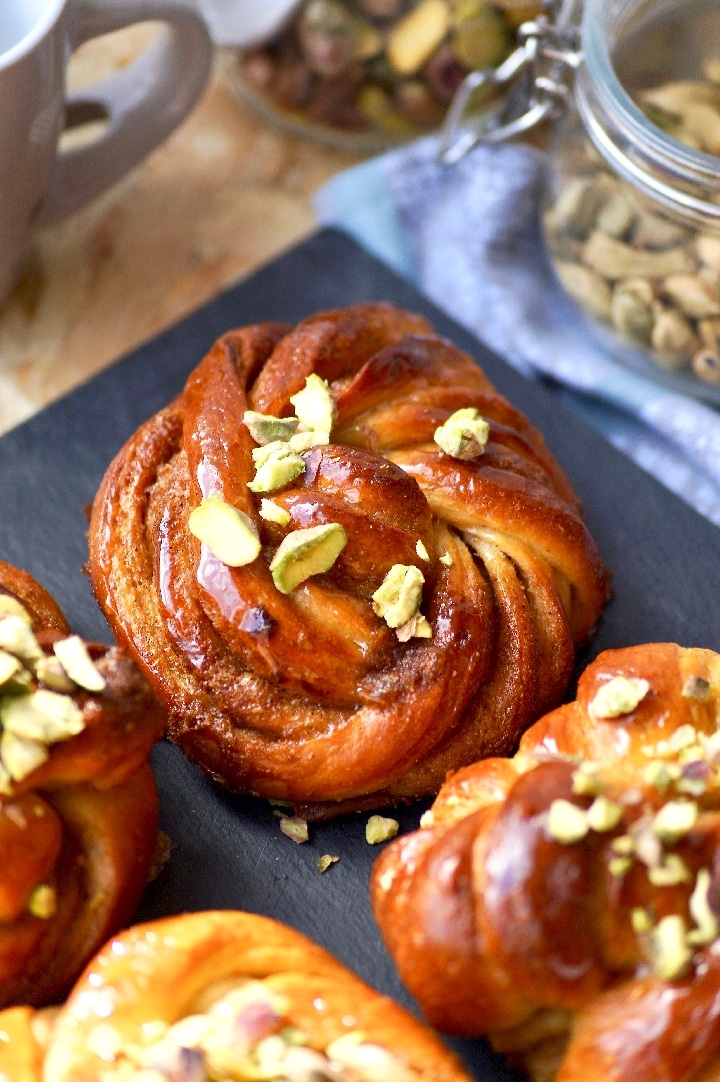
344, 561
222, 995
566, 901
78, 806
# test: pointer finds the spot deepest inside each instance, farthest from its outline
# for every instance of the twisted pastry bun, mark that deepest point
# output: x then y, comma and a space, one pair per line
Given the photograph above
78, 806
335, 610
566, 901
220, 995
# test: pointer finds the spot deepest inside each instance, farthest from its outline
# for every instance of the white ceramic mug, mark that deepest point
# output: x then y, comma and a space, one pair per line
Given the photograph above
40, 184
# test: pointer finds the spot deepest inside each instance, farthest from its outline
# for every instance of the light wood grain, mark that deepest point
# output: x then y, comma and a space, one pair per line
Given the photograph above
223, 195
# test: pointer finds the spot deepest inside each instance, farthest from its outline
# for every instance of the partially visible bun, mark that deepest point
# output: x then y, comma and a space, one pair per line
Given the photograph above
78, 805
566, 902
223, 990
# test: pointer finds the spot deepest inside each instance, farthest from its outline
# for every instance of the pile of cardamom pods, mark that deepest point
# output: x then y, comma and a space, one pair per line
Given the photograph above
654, 280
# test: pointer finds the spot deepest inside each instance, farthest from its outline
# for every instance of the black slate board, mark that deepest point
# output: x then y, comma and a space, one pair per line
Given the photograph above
227, 851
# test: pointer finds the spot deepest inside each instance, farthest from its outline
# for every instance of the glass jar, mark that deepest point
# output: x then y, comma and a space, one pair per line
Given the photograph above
631, 213
367, 74
631, 206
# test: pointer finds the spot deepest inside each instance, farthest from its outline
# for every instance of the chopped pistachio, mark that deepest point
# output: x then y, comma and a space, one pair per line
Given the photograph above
623, 845
73, 655
619, 696
446, 559
604, 814
229, 534
10, 606
307, 552
427, 819
50, 672
379, 828
295, 828
43, 902
277, 464
17, 638
273, 512
314, 405
672, 871
422, 551
695, 778
9, 666
670, 951
464, 435
641, 920
417, 627
566, 822
399, 595
20, 757
675, 819
264, 428
707, 928
303, 441
6, 786
696, 687
683, 737
660, 774
646, 844
620, 865
585, 780
325, 861
42, 715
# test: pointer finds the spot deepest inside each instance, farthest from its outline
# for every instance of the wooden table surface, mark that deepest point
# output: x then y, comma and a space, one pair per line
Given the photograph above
223, 195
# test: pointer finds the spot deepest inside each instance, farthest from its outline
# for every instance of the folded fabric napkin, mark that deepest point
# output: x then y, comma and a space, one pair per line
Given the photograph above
468, 235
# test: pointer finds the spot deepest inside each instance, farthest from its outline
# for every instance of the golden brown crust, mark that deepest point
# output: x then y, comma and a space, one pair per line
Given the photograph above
310, 697
165, 970
598, 953
81, 827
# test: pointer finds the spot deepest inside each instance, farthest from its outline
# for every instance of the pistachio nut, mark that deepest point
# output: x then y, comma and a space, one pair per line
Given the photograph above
566, 822
315, 406
693, 295
585, 286
417, 627
671, 954
273, 512
264, 428
20, 757
707, 927
43, 715
614, 259
464, 435
619, 696
675, 819
10, 606
416, 36
229, 533
306, 552
16, 638
72, 653
277, 464
398, 597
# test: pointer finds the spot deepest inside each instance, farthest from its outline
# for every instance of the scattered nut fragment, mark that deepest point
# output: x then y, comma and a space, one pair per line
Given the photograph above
379, 828
604, 814
675, 819
43, 902
696, 687
276, 465
707, 927
315, 406
43, 715
295, 828
325, 861
669, 871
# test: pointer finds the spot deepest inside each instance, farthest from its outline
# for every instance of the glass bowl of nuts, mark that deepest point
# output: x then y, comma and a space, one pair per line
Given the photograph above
631, 212
364, 75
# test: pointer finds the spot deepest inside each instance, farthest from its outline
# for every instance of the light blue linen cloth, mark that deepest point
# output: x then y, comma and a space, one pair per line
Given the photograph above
468, 236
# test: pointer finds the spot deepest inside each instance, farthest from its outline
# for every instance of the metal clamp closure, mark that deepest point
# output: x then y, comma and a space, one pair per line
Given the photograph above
533, 84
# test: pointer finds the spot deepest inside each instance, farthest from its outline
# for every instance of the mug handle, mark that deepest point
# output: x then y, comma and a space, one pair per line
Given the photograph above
143, 102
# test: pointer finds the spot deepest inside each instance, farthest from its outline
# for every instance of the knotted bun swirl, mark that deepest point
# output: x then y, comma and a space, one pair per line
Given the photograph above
567, 901
309, 696
78, 831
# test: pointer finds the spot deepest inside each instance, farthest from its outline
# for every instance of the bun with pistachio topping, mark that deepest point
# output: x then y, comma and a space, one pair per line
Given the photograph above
214, 996
344, 561
78, 807
566, 902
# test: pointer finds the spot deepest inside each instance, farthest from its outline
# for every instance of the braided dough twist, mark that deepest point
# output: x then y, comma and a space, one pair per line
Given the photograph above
588, 956
309, 696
